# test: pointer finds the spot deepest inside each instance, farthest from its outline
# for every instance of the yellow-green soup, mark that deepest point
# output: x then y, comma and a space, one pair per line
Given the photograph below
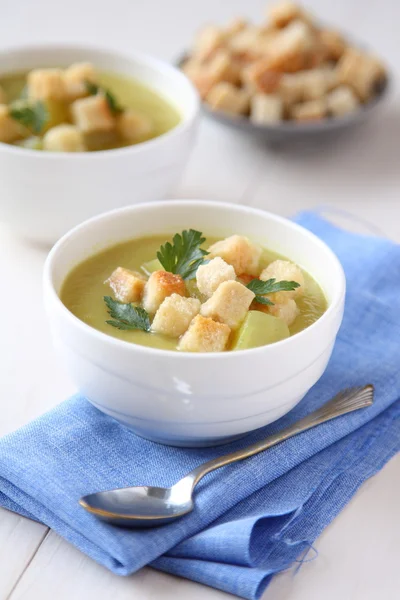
128, 94
84, 289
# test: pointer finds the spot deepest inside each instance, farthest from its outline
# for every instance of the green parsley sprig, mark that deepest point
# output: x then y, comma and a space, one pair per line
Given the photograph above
126, 317
94, 89
184, 256
32, 115
262, 288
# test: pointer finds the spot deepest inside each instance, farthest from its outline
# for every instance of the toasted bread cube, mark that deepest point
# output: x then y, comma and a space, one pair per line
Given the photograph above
133, 126
266, 108
283, 12
238, 251
222, 67
228, 304
360, 71
75, 78
317, 82
245, 41
236, 25
92, 114
45, 84
333, 44
313, 110
227, 98
259, 77
287, 311
160, 285
292, 47
341, 101
209, 39
205, 335
64, 138
10, 130
128, 286
3, 96
284, 270
174, 315
291, 88
212, 274
199, 75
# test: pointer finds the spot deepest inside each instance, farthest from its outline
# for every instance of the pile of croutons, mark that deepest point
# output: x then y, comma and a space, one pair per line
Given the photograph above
287, 68
78, 119
206, 324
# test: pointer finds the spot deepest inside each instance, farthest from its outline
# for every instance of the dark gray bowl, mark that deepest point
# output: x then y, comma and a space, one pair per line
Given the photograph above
290, 131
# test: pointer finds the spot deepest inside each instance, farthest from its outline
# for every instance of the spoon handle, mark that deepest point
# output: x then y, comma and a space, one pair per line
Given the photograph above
346, 401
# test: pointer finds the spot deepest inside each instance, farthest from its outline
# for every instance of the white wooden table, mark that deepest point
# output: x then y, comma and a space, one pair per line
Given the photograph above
358, 553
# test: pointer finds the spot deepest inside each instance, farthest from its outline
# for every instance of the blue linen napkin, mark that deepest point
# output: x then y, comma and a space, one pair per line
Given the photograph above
251, 519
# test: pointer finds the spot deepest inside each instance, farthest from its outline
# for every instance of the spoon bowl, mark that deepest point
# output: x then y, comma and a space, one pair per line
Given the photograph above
146, 506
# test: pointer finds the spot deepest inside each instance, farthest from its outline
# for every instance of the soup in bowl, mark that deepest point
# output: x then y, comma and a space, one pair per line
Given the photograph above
85, 130
190, 338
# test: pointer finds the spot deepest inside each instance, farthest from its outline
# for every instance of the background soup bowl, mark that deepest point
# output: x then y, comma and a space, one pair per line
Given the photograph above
46, 193
192, 399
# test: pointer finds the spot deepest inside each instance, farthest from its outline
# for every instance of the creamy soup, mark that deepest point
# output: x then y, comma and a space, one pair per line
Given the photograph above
80, 109
215, 302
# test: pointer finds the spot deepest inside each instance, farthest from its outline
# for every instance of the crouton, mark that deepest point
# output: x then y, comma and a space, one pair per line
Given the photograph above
238, 251
222, 67
292, 49
291, 88
209, 39
245, 41
92, 114
341, 101
76, 78
205, 335
288, 311
360, 71
266, 108
64, 138
259, 77
160, 285
228, 304
227, 98
283, 12
44, 84
174, 315
313, 110
333, 44
212, 274
132, 125
317, 82
199, 75
283, 270
235, 26
10, 130
127, 285
3, 96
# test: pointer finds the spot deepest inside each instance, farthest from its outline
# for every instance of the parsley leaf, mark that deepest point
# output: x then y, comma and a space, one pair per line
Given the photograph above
262, 288
126, 316
33, 115
112, 102
184, 255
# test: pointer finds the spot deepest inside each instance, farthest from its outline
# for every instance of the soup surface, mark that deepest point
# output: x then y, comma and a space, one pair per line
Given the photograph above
92, 110
85, 287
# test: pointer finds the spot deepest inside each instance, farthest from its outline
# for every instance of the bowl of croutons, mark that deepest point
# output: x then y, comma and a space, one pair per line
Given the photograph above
193, 322
285, 78
84, 130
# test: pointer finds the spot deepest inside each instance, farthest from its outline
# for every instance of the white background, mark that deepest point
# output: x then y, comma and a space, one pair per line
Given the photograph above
358, 553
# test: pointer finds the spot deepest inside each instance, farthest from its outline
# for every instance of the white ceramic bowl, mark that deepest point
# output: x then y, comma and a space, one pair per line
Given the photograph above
44, 194
192, 399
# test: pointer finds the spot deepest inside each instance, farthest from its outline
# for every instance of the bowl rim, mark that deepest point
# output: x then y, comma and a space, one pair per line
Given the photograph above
158, 64
49, 289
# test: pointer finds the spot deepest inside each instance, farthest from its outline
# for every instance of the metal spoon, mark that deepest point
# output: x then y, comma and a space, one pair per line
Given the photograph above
147, 506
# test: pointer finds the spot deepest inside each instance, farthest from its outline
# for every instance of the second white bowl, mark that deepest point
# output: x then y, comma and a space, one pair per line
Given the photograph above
44, 194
